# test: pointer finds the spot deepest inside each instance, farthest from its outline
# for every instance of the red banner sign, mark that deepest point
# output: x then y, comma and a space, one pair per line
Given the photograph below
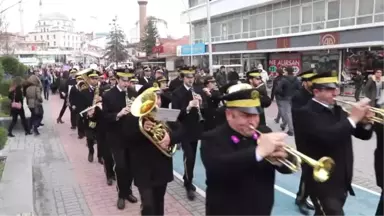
158, 49
274, 64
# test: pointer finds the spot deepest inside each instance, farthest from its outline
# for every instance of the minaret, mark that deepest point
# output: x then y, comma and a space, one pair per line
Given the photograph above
40, 9
143, 16
21, 18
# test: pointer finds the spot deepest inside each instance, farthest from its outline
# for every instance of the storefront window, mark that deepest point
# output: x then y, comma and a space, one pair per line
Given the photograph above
363, 60
320, 60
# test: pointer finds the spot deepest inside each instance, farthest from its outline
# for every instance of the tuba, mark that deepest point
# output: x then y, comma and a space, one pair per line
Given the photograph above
144, 107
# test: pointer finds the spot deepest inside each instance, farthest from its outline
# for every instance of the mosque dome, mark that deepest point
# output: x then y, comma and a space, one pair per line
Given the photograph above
54, 16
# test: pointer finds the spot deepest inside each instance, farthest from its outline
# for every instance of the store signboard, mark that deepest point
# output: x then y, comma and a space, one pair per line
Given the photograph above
274, 64
197, 49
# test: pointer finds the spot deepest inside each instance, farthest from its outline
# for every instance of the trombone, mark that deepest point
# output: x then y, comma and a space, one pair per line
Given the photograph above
322, 168
379, 118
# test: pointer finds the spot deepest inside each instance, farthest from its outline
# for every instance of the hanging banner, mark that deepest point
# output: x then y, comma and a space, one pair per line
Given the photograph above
274, 64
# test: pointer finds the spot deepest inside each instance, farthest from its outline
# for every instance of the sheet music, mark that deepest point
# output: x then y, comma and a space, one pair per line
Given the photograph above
164, 114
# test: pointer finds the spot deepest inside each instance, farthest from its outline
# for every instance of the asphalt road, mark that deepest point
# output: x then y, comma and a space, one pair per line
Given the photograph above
367, 193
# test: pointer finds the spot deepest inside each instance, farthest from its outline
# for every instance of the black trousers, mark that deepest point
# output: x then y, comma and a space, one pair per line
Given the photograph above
152, 200
357, 93
80, 125
15, 113
189, 149
106, 154
379, 210
123, 172
329, 205
46, 92
74, 115
91, 141
63, 108
302, 194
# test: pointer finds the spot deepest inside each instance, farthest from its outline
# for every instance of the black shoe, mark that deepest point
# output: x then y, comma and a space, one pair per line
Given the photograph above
131, 198
90, 157
28, 133
41, 124
80, 136
302, 207
120, 203
309, 204
191, 195
36, 131
282, 127
109, 181
189, 186
290, 133
100, 160
11, 135
59, 121
73, 128
276, 121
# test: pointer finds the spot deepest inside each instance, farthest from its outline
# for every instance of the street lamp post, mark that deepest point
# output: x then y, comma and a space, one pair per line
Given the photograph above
209, 37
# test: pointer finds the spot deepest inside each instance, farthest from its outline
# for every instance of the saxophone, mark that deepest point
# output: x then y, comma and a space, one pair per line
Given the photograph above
92, 124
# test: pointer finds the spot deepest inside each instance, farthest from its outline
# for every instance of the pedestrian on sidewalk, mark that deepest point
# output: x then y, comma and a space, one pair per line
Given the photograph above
34, 102
276, 80
17, 109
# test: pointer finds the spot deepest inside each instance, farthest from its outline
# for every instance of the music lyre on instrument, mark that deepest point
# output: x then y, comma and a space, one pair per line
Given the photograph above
322, 168
145, 107
379, 112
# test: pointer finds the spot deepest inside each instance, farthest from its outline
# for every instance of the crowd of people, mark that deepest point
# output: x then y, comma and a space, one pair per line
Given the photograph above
239, 151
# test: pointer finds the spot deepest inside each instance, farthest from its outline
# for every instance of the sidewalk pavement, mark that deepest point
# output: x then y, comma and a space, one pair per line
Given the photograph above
65, 183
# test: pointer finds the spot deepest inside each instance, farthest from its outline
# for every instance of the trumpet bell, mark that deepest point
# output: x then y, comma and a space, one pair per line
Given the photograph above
323, 169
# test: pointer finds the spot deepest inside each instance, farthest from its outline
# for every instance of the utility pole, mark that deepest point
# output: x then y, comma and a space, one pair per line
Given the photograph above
209, 37
114, 23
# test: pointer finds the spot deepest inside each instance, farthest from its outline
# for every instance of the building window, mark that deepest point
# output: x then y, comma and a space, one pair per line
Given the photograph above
47, 37
54, 43
41, 37
35, 38
54, 36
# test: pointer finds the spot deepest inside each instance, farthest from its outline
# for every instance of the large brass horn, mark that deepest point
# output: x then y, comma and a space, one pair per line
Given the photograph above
145, 107
322, 168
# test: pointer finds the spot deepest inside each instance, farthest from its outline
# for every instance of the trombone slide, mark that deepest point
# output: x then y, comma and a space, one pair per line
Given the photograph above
89, 108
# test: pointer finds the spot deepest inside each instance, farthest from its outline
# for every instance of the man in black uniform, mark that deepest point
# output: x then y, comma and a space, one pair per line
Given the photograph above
180, 100
176, 82
240, 180
152, 170
379, 129
102, 137
166, 95
89, 96
71, 82
211, 97
75, 101
115, 109
328, 129
299, 100
254, 78
147, 77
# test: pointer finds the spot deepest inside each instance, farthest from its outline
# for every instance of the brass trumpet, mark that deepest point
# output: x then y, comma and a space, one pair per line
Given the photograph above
322, 168
379, 118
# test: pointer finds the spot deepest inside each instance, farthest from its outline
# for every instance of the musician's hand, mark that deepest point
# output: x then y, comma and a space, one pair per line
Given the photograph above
193, 103
73, 107
368, 117
165, 142
359, 110
123, 112
206, 90
199, 98
269, 144
148, 125
91, 112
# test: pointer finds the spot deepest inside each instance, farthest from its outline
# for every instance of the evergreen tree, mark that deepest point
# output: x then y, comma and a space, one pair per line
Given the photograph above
116, 46
150, 36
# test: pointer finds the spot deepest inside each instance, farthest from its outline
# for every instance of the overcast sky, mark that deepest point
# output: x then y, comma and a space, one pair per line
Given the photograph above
104, 11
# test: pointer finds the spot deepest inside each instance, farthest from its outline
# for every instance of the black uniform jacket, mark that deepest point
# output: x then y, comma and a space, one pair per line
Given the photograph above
211, 103
265, 101
379, 129
166, 98
75, 99
175, 83
65, 90
328, 134
237, 184
150, 166
145, 81
180, 100
113, 102
85, 101
299, 100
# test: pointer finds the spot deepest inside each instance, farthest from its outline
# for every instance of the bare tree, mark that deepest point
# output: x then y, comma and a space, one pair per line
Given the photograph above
5, 47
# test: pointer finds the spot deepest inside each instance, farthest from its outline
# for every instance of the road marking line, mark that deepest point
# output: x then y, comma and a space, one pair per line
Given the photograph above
285, 191
366, 190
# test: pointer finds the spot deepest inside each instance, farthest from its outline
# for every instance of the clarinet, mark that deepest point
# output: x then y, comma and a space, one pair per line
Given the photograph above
201, 118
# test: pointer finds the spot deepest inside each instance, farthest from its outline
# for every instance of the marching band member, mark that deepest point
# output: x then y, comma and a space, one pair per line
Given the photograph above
176, 82
147, 77
239, 179
116, 108
166, 95
255, 79
328, 129
211, 96
180, 100
379, 129
64, 94
152, 170
75, 101
299, 100
89, 97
